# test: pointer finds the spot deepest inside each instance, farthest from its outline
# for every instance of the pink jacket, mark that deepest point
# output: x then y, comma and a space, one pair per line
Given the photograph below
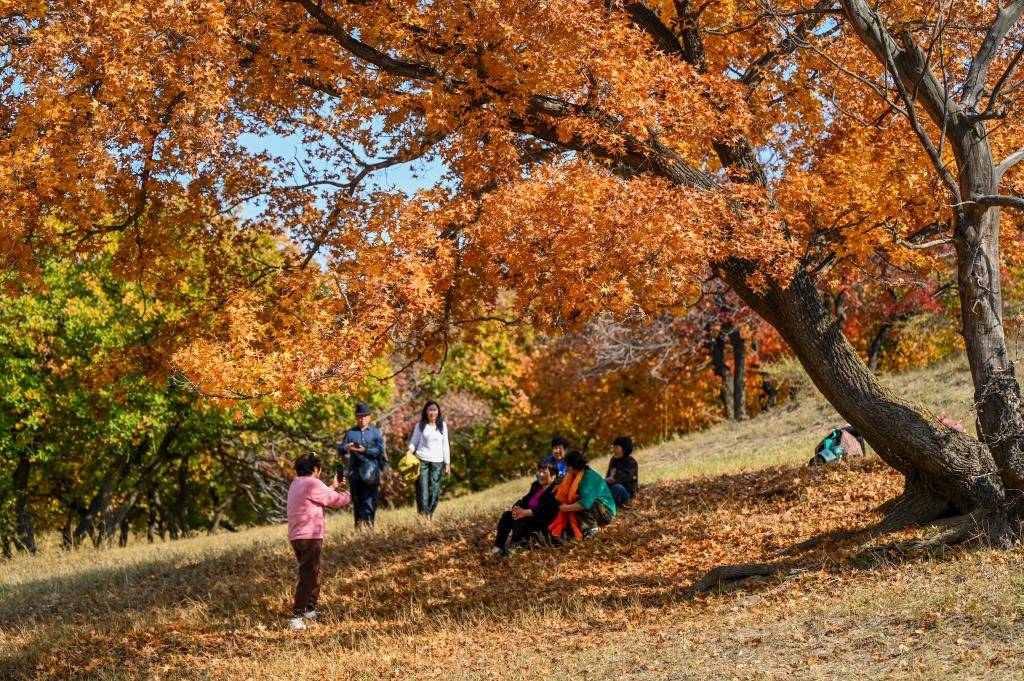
307, 497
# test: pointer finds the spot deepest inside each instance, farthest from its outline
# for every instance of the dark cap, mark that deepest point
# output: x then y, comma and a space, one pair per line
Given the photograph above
363, 409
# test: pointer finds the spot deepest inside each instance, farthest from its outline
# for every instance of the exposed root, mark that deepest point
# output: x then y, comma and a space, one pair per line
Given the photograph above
837, 535
731, 573
916, 506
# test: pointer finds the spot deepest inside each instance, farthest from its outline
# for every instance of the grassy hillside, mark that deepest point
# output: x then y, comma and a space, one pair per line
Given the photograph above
427, 601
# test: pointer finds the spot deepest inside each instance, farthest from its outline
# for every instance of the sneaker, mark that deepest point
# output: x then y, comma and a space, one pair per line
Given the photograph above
310, 615
296, 624
496, 549
587, 534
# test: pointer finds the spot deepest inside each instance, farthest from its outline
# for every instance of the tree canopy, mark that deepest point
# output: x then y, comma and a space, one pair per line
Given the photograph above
601, 157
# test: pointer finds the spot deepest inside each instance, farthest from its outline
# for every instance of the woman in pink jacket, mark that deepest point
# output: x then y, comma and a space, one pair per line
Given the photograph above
308, 496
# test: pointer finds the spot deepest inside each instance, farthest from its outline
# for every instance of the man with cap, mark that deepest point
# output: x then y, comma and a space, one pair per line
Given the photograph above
365, 460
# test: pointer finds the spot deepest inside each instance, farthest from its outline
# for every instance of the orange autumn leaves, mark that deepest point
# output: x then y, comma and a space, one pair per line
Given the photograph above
540, 117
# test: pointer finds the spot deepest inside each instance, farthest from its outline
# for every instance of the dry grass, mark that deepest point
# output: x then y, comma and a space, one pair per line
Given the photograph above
427, 601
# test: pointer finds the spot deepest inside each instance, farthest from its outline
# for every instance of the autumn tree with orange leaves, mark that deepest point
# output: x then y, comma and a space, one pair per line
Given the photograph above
601, 158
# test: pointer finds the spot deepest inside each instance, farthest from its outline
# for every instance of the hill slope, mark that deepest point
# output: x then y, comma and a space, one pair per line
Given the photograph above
428, 601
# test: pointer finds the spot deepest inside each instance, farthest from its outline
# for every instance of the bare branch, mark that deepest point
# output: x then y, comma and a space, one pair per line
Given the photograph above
974, 84
1000, 200
1007, 163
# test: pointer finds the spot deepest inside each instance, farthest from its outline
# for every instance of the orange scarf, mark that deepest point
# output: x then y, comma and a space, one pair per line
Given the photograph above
566, 494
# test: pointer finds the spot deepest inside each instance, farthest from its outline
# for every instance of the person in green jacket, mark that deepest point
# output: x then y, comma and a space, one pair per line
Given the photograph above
595, 508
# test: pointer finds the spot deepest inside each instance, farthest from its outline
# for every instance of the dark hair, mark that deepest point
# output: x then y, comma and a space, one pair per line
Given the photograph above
576, 460
559, 441
550, 467
307, 463
624, 442
423, 416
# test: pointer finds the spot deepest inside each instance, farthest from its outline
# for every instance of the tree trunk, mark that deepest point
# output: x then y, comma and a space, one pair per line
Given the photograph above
122, 541
997, 395
875, 349
938, 462
151, 521
183, 507
166, 518
67, 533
716, 346
24, 530
219, 512
739, 362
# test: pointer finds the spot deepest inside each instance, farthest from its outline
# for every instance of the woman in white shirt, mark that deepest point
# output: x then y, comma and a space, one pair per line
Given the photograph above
430, 445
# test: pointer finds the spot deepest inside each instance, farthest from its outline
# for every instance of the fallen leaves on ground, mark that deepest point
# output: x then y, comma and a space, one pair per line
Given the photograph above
388, 587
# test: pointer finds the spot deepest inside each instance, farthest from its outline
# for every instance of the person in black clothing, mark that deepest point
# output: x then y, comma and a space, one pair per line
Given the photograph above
623, 471
363, 450
531, 515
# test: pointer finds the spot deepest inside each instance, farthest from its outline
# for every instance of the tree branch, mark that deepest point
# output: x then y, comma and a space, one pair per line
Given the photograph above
974, 84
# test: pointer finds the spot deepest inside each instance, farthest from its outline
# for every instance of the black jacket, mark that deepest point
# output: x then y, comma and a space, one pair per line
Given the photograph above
547, 507
626, 472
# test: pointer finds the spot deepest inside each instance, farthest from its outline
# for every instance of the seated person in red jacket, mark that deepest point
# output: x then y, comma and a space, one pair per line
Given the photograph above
623, 471
531, 515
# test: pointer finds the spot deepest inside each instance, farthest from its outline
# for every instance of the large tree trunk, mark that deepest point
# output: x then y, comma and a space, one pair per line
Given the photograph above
997, 394
940, 464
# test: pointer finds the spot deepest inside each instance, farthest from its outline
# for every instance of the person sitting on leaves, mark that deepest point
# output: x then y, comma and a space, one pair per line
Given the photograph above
586, 503
531, 515
365, 462
623, 471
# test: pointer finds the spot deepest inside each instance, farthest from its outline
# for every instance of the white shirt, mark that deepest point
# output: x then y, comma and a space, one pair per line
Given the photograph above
430, 445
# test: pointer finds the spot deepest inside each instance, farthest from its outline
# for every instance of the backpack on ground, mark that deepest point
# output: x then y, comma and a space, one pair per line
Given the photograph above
837, 444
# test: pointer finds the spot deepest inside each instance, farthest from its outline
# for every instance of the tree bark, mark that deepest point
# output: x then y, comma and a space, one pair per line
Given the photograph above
875, 348
183, 510
937, 461
219, 512
23, 518
716, 346
997, 394
739, 362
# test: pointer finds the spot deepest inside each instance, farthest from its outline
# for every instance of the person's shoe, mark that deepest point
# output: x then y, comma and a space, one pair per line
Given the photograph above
310, 615
587, 534
496, 549
296, 624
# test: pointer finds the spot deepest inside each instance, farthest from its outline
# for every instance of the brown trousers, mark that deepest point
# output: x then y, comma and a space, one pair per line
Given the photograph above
307, 591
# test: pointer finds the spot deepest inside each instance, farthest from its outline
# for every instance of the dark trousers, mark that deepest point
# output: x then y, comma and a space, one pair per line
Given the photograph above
619, 493
521, 530
307, 591
598, 516
364, 500
428, 487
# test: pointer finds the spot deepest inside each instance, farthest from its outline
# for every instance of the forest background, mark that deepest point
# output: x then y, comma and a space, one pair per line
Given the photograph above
103, 442
185, 311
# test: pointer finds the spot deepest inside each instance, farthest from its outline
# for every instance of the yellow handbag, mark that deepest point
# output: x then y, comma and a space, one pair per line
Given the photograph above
409, 467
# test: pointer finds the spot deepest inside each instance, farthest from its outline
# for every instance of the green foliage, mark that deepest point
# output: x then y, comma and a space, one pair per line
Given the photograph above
87, 399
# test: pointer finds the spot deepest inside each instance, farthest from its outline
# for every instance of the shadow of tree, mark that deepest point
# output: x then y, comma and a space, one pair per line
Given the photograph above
397, 581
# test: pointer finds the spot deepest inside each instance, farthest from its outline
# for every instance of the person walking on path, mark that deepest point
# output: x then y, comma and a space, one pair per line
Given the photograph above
623, 471
429, 443
366, 461
308, 496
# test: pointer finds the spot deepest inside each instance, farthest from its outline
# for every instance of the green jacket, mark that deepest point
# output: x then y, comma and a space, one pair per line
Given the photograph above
593, 488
